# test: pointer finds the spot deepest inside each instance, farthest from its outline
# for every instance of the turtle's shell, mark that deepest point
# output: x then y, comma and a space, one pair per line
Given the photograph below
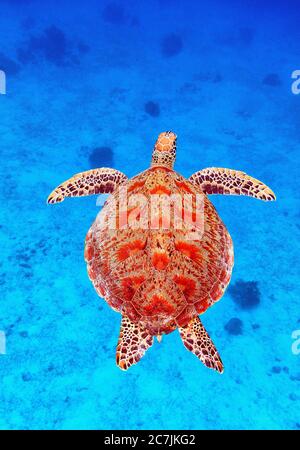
158, 274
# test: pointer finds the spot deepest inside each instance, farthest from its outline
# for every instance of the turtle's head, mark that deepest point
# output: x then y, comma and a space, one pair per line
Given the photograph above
164, 152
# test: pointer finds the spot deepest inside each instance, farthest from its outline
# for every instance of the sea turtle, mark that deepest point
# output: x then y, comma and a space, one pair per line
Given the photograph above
160, 272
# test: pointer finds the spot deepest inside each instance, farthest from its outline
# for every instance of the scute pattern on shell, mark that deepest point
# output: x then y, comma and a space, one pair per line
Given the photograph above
157, 277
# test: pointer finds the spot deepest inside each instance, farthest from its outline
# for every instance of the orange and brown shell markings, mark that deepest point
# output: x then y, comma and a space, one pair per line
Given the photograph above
158, 277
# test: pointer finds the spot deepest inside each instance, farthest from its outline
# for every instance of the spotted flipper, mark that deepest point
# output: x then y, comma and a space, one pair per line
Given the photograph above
196, 339
133, 343
216, 180
95, 181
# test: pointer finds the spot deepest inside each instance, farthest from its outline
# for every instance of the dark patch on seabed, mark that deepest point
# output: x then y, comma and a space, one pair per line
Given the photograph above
245, 294
101, 157
152, 108
272, 79
54, 46
171, 45
114, 13
276, 369
234, 326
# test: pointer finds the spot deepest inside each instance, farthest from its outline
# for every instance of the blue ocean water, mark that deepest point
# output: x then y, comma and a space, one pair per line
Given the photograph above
92, 84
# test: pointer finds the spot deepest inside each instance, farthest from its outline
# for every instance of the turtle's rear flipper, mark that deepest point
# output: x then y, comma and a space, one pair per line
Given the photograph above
133, 343
216, 180
95, 181
196, 339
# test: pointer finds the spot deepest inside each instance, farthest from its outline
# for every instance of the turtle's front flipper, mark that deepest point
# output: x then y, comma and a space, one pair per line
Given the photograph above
196, 339
133, 343
95, 181
216, 180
